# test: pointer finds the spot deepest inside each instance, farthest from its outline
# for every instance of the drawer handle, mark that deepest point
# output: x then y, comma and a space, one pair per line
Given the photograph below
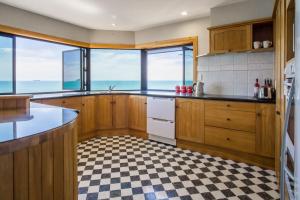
227, 139
161, 120
228, 105
228, 119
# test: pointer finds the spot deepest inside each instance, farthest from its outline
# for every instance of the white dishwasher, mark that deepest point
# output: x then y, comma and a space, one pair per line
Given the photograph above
161, 119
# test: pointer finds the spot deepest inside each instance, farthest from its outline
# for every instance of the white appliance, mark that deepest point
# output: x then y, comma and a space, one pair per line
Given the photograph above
161, 119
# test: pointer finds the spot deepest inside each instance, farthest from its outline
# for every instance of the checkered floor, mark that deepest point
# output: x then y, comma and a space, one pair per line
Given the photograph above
132, 168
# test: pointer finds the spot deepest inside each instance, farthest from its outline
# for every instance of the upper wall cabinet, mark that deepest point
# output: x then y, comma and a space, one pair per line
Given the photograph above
230, 39
240, 37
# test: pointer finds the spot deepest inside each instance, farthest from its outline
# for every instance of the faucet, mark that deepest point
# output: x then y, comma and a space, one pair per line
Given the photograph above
111, 87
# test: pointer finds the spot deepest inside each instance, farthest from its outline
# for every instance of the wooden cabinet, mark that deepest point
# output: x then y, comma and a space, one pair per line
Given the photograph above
237, 120
53, 102
120, 111
190, 120
137, 112
75, 103
265, 130
112, 111
104, 113
88, 115
231, 139
230, 39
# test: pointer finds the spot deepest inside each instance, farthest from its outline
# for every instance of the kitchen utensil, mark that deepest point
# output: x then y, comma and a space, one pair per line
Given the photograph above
267, 44
198, 88
257, 44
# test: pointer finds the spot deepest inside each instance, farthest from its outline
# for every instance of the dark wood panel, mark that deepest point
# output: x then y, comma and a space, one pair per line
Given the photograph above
35, 172
21, 175
47, 170
6, 177
58, 166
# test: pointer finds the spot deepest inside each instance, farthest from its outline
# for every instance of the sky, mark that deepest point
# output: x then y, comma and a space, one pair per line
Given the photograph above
6, 58
37, 60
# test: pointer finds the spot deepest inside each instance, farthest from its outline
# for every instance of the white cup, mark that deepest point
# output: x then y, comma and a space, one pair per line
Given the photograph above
257, 44
267, 44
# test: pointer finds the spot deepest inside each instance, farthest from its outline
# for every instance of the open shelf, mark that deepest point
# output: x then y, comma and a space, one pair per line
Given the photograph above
263, 50
262, 31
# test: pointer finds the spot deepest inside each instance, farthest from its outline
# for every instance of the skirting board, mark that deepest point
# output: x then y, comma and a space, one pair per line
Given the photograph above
162, 139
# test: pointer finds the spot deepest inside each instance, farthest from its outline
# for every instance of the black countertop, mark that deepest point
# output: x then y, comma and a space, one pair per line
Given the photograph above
17, 124
154, 94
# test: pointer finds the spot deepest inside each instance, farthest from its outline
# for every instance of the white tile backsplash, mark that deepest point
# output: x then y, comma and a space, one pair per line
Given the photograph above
235, 74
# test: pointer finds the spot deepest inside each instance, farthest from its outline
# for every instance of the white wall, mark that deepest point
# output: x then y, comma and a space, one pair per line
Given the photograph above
235, 74
197, 27
243, 11
18, 18
103, 36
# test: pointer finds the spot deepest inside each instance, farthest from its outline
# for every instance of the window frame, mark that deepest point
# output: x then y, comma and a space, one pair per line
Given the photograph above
145, 65
47, 41
120, 49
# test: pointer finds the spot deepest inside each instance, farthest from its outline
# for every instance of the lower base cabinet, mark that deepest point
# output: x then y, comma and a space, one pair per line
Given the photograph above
190, 120
241, 127
137, 115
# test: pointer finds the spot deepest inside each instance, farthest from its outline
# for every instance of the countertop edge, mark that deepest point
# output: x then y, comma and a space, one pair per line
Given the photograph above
204, 97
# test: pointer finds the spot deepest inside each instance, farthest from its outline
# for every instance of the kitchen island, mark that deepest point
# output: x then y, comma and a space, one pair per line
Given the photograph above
38, 153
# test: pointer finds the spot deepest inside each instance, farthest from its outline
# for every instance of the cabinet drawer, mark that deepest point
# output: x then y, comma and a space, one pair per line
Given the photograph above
237, 120
161, 128
230, 105
231, 139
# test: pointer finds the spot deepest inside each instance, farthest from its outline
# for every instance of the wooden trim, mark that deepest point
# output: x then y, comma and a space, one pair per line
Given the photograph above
112, 46
41, 36
167, 43
255, 21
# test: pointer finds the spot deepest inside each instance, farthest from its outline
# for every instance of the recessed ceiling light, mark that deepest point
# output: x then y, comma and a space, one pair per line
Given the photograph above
184, 13
113, 24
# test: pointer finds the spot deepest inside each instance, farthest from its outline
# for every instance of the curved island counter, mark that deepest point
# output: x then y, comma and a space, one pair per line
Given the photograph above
38, 153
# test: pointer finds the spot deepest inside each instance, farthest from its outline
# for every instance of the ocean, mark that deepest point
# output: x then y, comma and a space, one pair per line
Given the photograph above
54, 86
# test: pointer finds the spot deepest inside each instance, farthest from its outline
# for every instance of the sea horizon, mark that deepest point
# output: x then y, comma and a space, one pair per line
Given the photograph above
37, 86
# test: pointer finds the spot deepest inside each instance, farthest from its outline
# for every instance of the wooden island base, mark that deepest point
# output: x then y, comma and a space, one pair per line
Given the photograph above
40, 167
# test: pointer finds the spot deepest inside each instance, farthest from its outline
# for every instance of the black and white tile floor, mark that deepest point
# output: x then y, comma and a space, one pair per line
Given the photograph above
132, 168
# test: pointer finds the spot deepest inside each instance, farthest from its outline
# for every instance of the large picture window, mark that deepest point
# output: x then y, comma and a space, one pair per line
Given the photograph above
6, 64
119, 68
168, 67
47, 67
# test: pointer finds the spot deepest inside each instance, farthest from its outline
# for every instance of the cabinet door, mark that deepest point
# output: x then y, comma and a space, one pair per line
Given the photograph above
104, 112
88, 114
190, 120
138, 113
231, 39
217, 41
238, 38
75, 103
120, 111
265, 130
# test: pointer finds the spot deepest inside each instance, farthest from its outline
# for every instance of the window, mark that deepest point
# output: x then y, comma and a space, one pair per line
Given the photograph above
168, 67
119, 68
6, 64
47, 67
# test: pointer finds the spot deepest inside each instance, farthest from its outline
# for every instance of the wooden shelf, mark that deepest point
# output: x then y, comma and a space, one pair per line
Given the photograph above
262, 50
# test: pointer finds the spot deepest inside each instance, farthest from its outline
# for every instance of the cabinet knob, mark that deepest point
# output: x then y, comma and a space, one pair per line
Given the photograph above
258, 114
228, 119
278, 112
227, 139
228, 105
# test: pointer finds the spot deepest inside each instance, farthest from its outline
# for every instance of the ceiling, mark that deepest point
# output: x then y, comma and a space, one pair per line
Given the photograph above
127, 15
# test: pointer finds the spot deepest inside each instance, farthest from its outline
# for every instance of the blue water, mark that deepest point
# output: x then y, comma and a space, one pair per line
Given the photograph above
55, 86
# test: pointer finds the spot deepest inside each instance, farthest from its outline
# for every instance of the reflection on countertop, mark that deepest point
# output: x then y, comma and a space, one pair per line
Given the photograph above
17, 124
154, 93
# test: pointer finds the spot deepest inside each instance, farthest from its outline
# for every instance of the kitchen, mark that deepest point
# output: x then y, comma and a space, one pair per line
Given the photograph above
101, 104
